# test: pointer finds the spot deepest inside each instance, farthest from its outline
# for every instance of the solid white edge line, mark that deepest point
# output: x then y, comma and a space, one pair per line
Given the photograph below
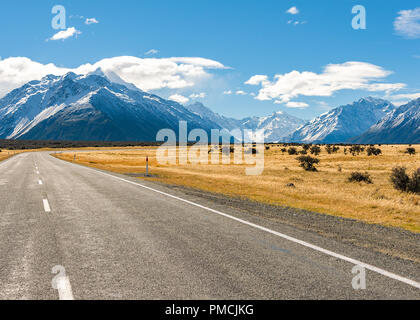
281, 235
46, 205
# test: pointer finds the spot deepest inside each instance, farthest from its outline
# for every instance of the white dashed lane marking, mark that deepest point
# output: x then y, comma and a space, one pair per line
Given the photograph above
46, 205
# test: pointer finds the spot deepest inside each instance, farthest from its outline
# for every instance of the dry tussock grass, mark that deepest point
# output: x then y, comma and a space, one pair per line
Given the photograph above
326, 191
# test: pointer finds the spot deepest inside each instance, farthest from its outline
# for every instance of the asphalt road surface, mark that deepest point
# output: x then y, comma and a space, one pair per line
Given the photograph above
108, 236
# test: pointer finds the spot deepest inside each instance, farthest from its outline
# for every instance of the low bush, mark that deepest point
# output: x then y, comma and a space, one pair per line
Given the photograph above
306, 147
308, 162
356, 149
316, 150
411, 151
360, 177
403, 182
372, 151
292, 151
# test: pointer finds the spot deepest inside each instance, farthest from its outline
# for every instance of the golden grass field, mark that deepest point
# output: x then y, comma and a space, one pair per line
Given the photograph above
5, 154
326, 191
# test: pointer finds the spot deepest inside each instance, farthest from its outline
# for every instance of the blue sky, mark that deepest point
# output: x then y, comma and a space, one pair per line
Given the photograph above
237, 40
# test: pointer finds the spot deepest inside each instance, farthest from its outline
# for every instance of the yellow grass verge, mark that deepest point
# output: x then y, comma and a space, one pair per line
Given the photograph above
6, 154
326, 191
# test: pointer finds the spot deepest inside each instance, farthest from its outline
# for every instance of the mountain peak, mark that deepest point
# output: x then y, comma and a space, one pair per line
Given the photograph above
89, 107
373, 100
345, 122
97, 72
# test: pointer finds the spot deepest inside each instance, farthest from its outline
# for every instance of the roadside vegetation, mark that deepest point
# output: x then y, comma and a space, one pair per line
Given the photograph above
371, 196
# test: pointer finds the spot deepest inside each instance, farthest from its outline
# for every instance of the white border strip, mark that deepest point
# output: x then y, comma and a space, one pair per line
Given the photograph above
281, 235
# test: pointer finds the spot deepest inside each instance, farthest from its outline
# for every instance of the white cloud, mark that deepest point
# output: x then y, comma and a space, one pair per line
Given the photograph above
407, 23
241, 93
179, 98
400, 99
227, 92
151, 52
257, 79
198, 95
14, 72
351, 75
91, 21
295, 22
62, 35
292, 104
293, 10
147, 74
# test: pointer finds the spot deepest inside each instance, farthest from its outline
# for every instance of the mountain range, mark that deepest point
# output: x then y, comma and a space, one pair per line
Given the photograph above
343, 123
89, 107
101, 106
275, 126
400, 125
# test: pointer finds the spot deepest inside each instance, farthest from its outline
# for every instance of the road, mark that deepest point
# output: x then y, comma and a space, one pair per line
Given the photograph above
121, 238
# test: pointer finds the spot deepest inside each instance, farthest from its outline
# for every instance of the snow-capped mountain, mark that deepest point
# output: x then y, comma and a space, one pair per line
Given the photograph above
205, 113
343, 123
402, 125
96, 106
276, 126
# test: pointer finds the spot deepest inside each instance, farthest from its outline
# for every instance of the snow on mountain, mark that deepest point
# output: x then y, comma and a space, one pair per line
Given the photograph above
343, 123
96, 106
402, 125
276, 126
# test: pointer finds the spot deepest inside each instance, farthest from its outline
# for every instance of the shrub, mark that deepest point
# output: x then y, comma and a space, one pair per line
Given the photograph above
356, 149
414, 183
303, 152
316, 150
401, 181
283, 150
372, 151
399, 178
292, 151
308, 162
335, 149
328, 148
360, 177
411, 151
306, 147
267, 147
